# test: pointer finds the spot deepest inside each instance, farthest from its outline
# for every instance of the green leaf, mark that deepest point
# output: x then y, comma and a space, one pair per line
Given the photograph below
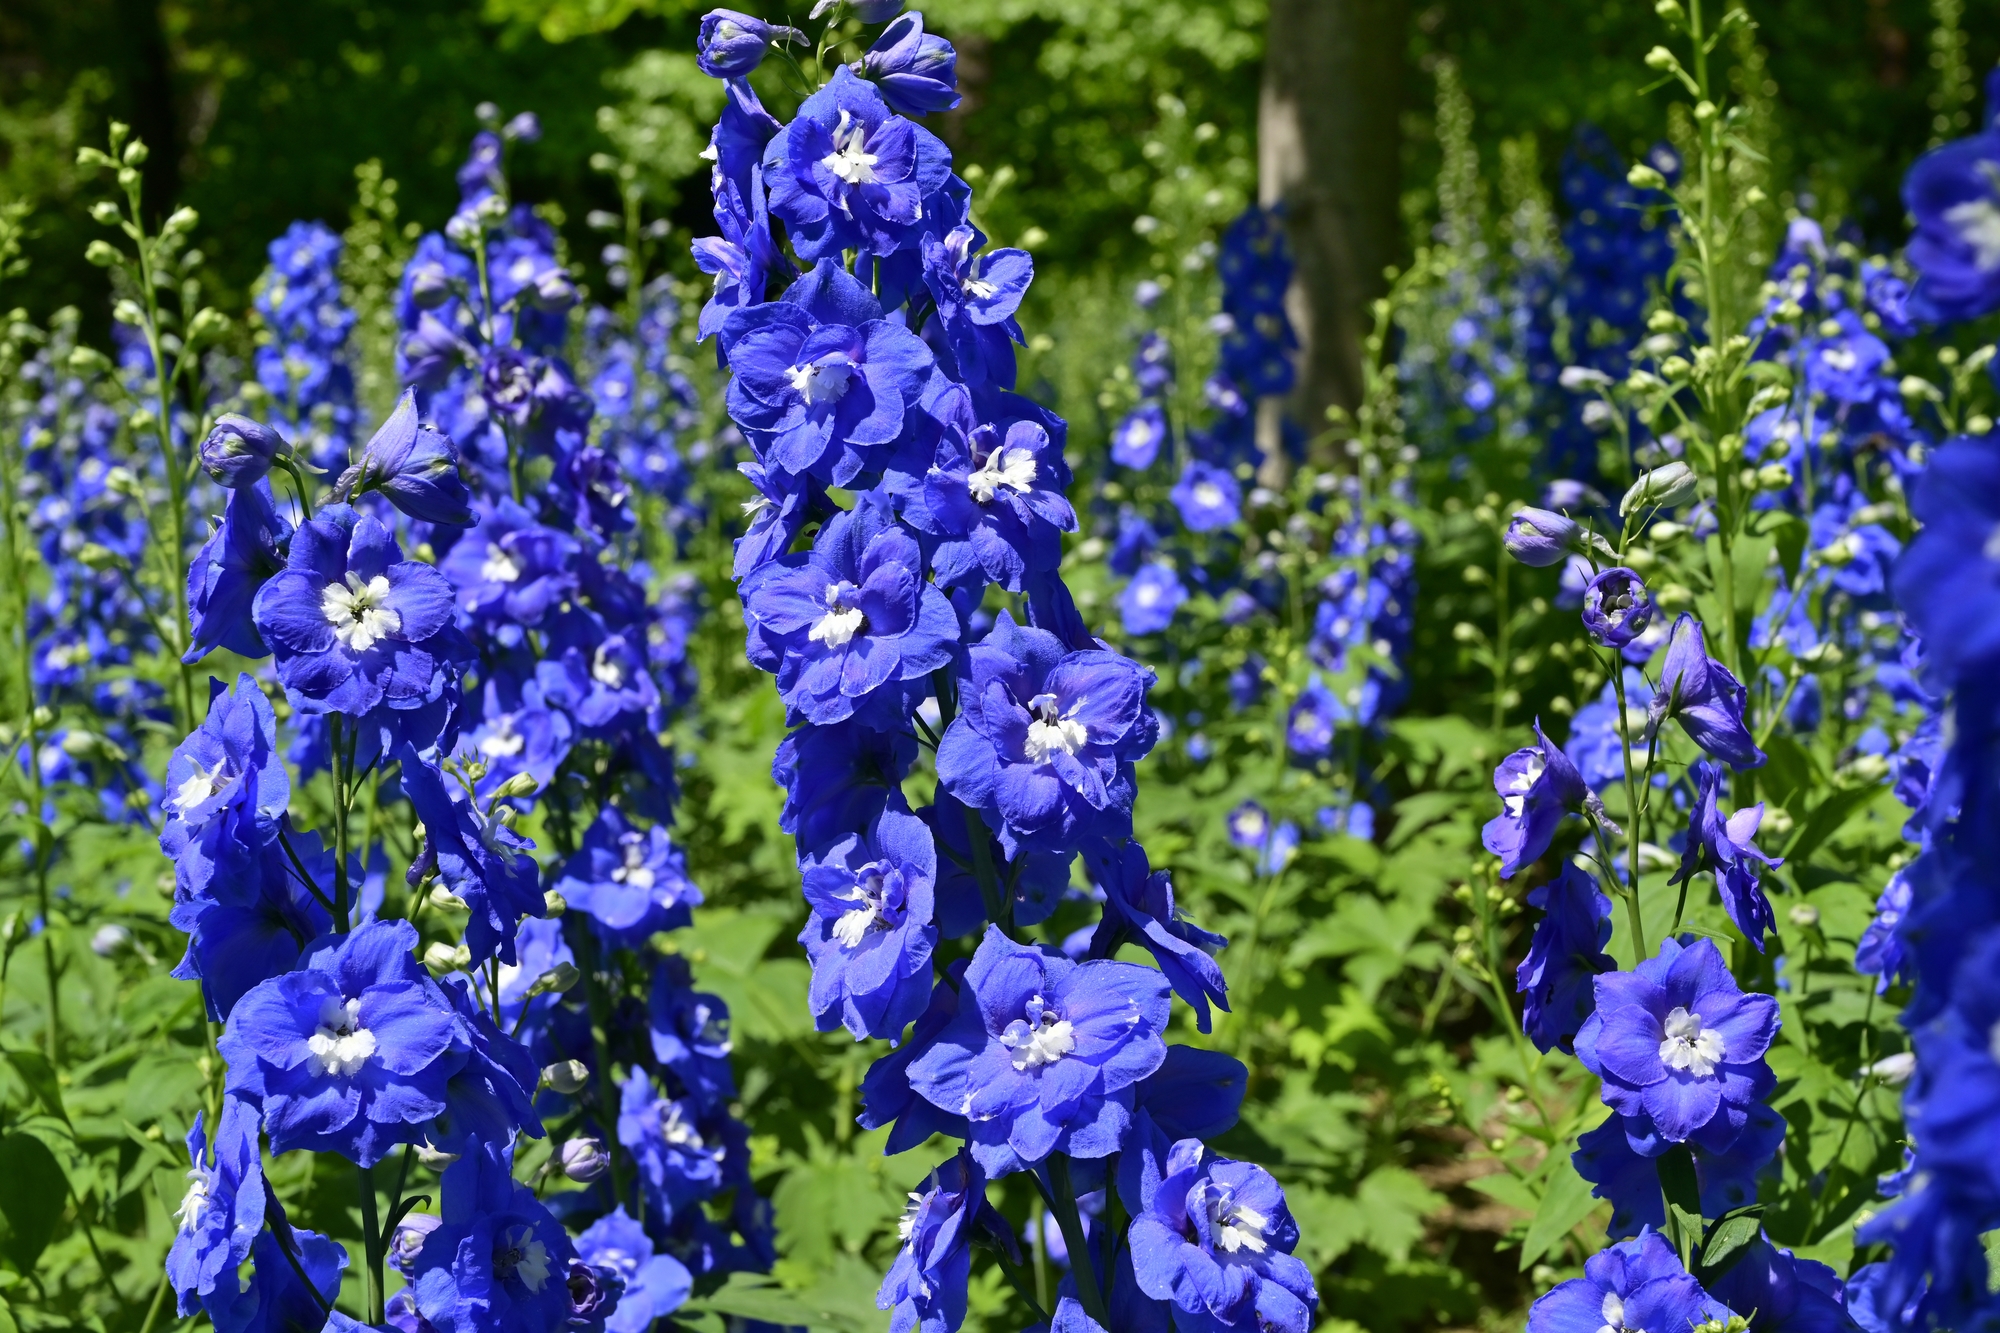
1827, 819
1729, 1238
748, 1296
33, 1191
35, 1071
1565, 1203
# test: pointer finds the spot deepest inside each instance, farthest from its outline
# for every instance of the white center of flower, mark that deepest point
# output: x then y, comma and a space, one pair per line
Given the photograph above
824, 381
850, 159
1839, 358
499, 567
199, 786
977, 287
1238, 1226
1208, 495
1515, 797
1042, 1038
341, 1045
196, 1202
357, 615
676, 1128
1687, 1047
854, 924
1050, 731
1977, 222
606, 669
634, 871
842, 621
906, 1225
520, 1255
1010, 468
503, 742
1613, 1313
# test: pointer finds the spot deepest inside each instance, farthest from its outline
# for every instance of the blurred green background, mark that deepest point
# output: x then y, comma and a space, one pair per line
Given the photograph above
268, 106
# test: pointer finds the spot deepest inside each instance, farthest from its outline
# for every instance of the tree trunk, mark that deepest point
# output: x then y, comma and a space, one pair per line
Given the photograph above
1330, 149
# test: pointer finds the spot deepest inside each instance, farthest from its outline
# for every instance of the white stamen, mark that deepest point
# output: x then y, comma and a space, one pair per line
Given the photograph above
196, 1202
499, 567
199, 786
341, 1045
1613, 1314
503, 742
1238, 1226
1049, 732
1011, 468
634, 871
357, 615
1208, 495
676, 1128
1977, 222
823, 381
606, 669
837, 628
850, 159
1687, 1047
525, 1258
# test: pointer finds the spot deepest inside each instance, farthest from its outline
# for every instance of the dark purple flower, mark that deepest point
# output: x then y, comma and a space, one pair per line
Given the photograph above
1043, 1053
1616, 607
1678, 1042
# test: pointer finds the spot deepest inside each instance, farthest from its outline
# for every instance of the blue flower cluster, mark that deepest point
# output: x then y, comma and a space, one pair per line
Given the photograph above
884, 367
461, 643
303, 367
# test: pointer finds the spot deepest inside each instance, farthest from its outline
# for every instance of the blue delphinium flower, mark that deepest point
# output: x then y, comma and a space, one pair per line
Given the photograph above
1637, 1284
1045, 739
1880, 953
1951, 196
631, 881
1139, 907
1249, 825
500, 1261
1557, 977
352, 624
1788, 1294
1705, 697
871, 934
994, 500
239, 452
887, 1097
477, 857
1947, 583
1043, 1053
847, 174
1310, 722
976, 298
349, 1054
1215, 1239
226, 791
1723, 846
656, 1285
1616, 607
223, 1210
1539, 538
1207, 497
677, 1165
1677, 1042
837, 779
415, 466
926, 1286
731, 44
850, 618
1620, 1159
1137, 440
1151, 599
252, 923
239, 557
916, 71
1538, 786
511, 569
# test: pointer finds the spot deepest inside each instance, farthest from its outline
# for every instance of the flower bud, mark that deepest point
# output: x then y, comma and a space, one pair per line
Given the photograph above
181, 219
1663, 488
526, 128
584, 1159
407, 1242
1774, 477
553, 905
207, 325
562, 977
435, 1158
239, 451
1660, 58
1539, 538
1803, 914
1643, 177
554, 291
521, 784
441, 959
566, 1076
109, 939
104, 213
135, 153
1616, 607
1895, 1069
730, 44
101, 253
430, 284
446, 901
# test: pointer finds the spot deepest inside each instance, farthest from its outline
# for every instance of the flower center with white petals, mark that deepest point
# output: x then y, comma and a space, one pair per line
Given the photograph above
1515, 797
1050, 729
1688, 1047
1042, 1038
843, 620
606, 669
197, 1201
906, 1225
521, 1256
1839, 358
823, 381
1237, 1226
1977, 222
341, 1045
355, 610
634, 871
1208, 495
676, 1128
1013, 469
868, 896
200, 786
499, 567
977, 287
503, 742
1613, 1314
850, 159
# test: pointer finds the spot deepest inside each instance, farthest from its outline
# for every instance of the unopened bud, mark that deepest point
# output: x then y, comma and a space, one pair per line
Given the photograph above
1774, 477
1803, 914
566, 1076
1664, 487
181, 219
135, 154
521, 784
1539, 538
1643, 177
559, 978
1895, 1069
441, 959
553, 905
584, 1159
105, 213
445, 900
1660, 58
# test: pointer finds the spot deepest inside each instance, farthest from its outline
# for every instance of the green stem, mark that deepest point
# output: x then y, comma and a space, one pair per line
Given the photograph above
371, 1240
1062, 1201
